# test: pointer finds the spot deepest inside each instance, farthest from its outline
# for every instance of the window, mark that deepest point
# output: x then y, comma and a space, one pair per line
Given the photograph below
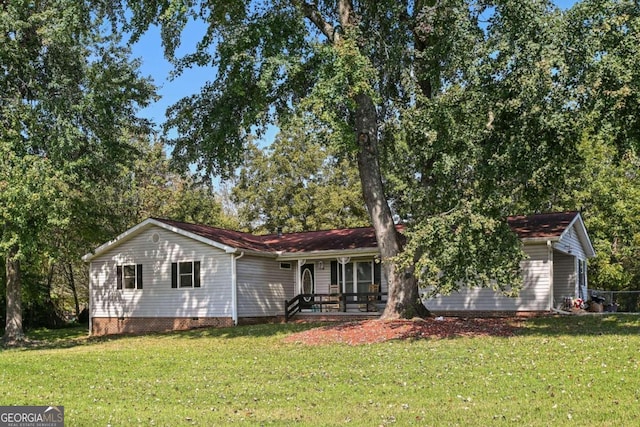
129, 276
185, 274
285, 266
582, 279
357, 277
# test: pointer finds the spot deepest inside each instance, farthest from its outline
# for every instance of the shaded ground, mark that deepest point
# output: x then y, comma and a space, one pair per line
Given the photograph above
375, 331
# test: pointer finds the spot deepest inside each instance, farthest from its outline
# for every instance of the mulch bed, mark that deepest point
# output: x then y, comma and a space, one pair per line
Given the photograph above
375, 331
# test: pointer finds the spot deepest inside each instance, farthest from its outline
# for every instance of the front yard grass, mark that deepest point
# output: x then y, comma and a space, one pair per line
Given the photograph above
555, 371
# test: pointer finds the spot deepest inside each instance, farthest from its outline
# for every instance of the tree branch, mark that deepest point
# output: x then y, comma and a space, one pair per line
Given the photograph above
312, 13
345, 10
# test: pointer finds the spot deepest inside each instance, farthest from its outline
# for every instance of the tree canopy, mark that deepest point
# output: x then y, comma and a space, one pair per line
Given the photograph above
69, 94
298, 184
454, 113
459, 103
601, 39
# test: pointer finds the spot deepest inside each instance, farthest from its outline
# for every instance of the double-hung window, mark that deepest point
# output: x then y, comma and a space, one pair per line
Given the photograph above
185, 274
129, 276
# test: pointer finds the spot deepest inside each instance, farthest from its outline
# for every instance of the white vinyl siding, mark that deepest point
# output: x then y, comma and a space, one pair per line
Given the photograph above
570, 244
263, 286
157, 298
323, 276
534, 295
564, 277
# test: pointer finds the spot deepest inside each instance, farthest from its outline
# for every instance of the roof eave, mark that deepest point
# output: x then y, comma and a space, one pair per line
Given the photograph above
133, 231
334, 253
590, 252
252, 252
543, 239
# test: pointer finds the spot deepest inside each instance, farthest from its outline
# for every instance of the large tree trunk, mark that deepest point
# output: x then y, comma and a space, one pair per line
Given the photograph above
13, 331
403, 299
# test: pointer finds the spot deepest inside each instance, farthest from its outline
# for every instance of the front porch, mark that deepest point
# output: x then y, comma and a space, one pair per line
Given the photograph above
343, 305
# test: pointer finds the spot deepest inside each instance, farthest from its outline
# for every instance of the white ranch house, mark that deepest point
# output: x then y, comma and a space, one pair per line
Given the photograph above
165, 275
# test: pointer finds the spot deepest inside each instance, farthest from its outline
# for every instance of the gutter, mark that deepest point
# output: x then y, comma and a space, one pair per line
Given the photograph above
335, 253
234, 250
546, 240
234, 287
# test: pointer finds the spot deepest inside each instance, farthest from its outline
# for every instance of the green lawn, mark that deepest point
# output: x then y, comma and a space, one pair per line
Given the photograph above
556, 371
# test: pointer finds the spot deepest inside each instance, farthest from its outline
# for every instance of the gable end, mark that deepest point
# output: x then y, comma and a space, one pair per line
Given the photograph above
146, 224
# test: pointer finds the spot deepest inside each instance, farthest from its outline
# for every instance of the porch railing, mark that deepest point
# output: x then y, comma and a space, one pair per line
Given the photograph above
332, 302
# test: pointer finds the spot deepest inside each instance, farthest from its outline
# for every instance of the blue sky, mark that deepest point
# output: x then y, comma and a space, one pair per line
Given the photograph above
149, 50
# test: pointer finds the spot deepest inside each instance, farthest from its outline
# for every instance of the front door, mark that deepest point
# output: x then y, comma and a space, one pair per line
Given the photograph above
307, 282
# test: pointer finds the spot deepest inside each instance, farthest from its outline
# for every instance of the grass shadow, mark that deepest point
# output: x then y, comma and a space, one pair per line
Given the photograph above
586, 325
74, 336
262, 330
44, 338
73, 331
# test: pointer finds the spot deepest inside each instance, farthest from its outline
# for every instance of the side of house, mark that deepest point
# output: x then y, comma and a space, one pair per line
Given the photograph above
165, 275
571, 254
160, 280
557, 249
263, 285
533, 297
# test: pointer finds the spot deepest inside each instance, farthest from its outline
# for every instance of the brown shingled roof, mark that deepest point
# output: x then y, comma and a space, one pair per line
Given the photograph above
349, 238
340, 239
541, 225
531, 226
234, 239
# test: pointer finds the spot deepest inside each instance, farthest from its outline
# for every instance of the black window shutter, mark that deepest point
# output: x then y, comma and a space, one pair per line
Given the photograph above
174, 274
334, 272
139, 276
119, 277
196, 274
